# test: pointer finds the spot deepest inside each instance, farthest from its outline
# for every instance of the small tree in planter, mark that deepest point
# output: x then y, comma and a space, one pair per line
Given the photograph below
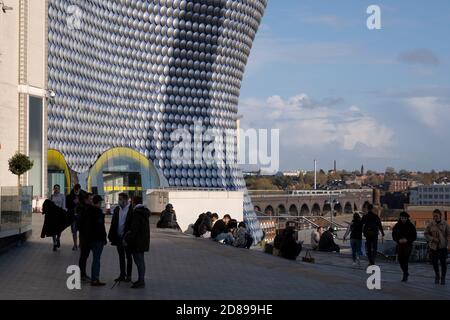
19, 164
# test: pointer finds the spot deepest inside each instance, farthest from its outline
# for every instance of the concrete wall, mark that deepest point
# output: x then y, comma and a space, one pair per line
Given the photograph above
189, 204
9, 61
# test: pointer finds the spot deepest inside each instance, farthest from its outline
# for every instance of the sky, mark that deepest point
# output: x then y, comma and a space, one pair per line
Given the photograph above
339, 91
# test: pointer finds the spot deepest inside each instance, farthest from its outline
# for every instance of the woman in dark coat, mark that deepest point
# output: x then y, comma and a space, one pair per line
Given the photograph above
55, 221
404, 233
137, 238
290, 248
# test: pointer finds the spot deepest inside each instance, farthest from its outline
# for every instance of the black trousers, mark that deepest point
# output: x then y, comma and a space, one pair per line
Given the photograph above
404, 252
85, 250
125, 253
371, 249
437, 256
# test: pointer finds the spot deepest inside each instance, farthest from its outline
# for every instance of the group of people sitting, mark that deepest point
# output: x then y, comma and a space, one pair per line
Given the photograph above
324, 240
225, 230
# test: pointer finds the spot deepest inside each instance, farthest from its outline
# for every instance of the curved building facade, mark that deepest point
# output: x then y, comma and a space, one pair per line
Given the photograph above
129, 73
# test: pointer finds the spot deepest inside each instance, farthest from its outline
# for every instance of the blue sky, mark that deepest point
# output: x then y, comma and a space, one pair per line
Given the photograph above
337, 90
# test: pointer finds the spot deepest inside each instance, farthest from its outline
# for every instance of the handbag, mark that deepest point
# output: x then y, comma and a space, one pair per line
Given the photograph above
308, 257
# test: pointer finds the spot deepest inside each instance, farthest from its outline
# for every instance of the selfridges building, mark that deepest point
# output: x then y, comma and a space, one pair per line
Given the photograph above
128, 73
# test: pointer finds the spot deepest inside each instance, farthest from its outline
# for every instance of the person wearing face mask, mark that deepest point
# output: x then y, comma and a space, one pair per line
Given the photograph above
437, 234
404, 233
73, 201
120, 225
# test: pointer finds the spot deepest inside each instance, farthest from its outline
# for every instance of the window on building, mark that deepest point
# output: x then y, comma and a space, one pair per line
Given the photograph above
35, 143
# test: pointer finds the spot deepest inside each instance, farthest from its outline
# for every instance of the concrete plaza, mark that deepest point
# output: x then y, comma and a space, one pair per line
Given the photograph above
182, 267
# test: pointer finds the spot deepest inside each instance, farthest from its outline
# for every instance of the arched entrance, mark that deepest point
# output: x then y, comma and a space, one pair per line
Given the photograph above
293, 210
348, 208
121, 170
337, 208
304, 211
315, 211
58, 172
269, 211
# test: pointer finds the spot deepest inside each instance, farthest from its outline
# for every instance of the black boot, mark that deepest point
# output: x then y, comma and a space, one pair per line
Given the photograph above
405, 277
436, 279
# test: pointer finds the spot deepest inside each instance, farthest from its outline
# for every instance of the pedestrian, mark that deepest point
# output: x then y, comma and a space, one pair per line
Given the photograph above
437, 234
120, 225
59, 200
168, 218
54, 221
137, 239
315, 237
355, 232
72, 201
96, 238
240, 239
290, 248
220, 230
404, 233
83, 225
327, 243
371, 228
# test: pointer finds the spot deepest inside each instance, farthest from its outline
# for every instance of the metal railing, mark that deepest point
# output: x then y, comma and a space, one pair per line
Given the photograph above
15, 210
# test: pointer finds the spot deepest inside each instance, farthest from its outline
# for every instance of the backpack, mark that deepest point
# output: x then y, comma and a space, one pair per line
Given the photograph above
371, 229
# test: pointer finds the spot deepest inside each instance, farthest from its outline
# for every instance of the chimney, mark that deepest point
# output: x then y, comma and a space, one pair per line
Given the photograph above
315, 174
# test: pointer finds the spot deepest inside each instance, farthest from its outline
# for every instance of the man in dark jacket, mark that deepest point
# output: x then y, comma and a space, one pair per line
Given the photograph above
138, 238
404, 233
120, 225
96, 238
168, 218
326, 242
371, 227
220, 230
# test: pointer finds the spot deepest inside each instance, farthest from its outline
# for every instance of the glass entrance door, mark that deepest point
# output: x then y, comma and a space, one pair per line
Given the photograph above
117, 182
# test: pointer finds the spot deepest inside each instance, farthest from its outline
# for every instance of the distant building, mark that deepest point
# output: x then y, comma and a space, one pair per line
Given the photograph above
431, 195
399, 185
422, 215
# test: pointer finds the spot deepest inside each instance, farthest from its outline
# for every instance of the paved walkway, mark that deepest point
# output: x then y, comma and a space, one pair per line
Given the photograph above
182, 267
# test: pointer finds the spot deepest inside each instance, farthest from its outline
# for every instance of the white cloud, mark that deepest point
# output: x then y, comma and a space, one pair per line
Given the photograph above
304, 122
430, 110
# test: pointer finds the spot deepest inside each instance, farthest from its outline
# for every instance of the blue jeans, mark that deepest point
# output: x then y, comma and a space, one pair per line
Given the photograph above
140, 264
97, 249
356, 248
226, 237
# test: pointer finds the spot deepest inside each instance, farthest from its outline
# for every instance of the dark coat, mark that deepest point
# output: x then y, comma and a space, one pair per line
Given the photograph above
404, 230
356, 230
168, 219
218, 228
55, 221
96, 225
70, 204
83, 223
289, 248
326, 242
371, 225
113, 236
138, 238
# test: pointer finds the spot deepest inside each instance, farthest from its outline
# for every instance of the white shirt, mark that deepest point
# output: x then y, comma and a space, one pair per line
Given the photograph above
122, 218
60, 200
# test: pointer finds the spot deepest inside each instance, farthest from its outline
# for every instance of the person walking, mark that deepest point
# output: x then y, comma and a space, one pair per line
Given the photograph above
371, 228
355, 232
437, 234
59, 200
137, 239
96, 238
404, 233
72, 201
54, 221
120, 225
